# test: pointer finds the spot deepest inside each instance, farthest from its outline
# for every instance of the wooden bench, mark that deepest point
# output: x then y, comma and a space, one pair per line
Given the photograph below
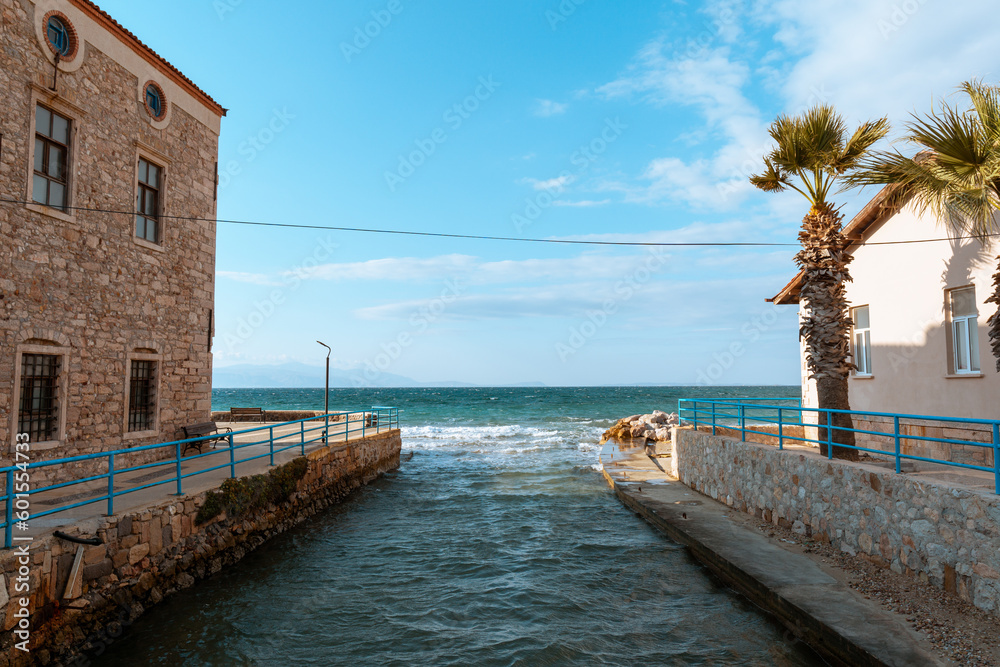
200, 431
247, 414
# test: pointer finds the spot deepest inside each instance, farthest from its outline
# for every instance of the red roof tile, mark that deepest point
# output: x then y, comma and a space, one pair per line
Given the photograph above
129, 39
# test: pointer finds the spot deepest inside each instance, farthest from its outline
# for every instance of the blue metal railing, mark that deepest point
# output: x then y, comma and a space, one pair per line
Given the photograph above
743, 414
311, 430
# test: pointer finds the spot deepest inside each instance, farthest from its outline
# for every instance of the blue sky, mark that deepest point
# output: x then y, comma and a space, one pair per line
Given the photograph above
577, 119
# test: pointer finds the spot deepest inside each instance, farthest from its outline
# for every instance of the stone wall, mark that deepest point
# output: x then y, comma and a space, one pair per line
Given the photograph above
945, 535
78, 283
149, 554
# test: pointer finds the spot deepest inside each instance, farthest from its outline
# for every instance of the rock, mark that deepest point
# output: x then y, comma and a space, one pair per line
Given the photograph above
798, 526
137, 553
662, 434
659, 417
638, 430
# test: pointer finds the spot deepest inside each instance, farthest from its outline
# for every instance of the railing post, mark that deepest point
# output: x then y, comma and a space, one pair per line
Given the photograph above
326, 429
232, 458
829, 434
180, 489
895, 428
713, 416
781, 432
271, 443
364, 423
9, 529
347, 424
996, 455
743, 424
111, 484
302, 435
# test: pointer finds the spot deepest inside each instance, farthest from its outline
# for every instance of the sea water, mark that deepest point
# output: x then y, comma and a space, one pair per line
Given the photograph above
497, 543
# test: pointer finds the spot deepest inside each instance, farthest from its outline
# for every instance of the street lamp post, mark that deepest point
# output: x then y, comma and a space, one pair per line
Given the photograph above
326, 396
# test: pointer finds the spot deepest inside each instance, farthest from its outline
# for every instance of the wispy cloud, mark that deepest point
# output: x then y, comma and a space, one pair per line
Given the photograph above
556, 184
583, 203
546, 108
252, 278
713, 82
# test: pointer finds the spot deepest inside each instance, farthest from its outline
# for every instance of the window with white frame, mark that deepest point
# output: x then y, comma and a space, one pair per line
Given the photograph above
862, 350
964, 329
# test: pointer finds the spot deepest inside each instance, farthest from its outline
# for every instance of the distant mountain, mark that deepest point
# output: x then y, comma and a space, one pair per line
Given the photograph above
295, 375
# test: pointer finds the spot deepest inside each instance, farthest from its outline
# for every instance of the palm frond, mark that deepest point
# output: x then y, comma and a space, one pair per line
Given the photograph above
859, 144
986, 104
772, 180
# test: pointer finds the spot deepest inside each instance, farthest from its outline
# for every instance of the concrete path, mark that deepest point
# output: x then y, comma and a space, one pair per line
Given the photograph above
828, 615
82, 519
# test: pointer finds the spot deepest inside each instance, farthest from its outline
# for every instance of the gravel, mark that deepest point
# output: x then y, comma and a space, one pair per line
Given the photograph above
956, 630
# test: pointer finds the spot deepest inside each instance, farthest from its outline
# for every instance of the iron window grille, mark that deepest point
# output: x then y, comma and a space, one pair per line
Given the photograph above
50, 184
38, 414
142, 396
147, 202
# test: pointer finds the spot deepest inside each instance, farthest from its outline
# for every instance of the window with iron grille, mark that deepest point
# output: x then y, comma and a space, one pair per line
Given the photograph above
38, 413
142, 396
50, 181
147, 202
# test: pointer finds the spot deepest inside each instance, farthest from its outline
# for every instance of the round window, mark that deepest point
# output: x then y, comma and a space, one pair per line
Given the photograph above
156, 103
60, 35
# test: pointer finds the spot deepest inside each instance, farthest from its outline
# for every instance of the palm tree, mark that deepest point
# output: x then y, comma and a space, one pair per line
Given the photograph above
813, 153
955, 175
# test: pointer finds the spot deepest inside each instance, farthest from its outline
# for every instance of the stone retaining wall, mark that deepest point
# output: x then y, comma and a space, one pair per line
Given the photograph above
81, 596
945, 535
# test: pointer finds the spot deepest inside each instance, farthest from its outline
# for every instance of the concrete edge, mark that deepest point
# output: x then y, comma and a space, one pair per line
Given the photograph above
829, 642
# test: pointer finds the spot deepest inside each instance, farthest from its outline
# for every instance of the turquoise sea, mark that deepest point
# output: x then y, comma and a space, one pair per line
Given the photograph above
497, 543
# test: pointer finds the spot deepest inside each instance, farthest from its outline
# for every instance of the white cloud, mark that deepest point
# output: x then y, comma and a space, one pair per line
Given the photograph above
556, 184
883, 57
546, 108
713, 82
584, 203
590, 266
252, 278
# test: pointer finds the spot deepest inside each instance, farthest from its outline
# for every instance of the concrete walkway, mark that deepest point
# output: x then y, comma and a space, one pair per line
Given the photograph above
82, 519
805, 597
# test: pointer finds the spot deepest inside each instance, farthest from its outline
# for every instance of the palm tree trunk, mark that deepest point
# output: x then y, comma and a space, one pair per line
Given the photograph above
994, 321
826, 327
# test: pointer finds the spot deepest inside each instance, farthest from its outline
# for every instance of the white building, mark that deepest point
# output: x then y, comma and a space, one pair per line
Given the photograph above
920, 338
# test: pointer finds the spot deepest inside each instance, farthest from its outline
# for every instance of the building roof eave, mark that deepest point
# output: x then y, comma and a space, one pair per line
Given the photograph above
887, 199
105, 20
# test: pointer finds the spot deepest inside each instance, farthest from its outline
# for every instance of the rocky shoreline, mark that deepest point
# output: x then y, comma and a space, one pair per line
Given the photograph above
654, 427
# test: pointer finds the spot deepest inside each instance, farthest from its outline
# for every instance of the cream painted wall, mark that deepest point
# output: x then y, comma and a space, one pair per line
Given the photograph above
904, 287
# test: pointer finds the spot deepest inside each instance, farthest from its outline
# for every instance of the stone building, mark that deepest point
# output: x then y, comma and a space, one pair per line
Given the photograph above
108, 162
